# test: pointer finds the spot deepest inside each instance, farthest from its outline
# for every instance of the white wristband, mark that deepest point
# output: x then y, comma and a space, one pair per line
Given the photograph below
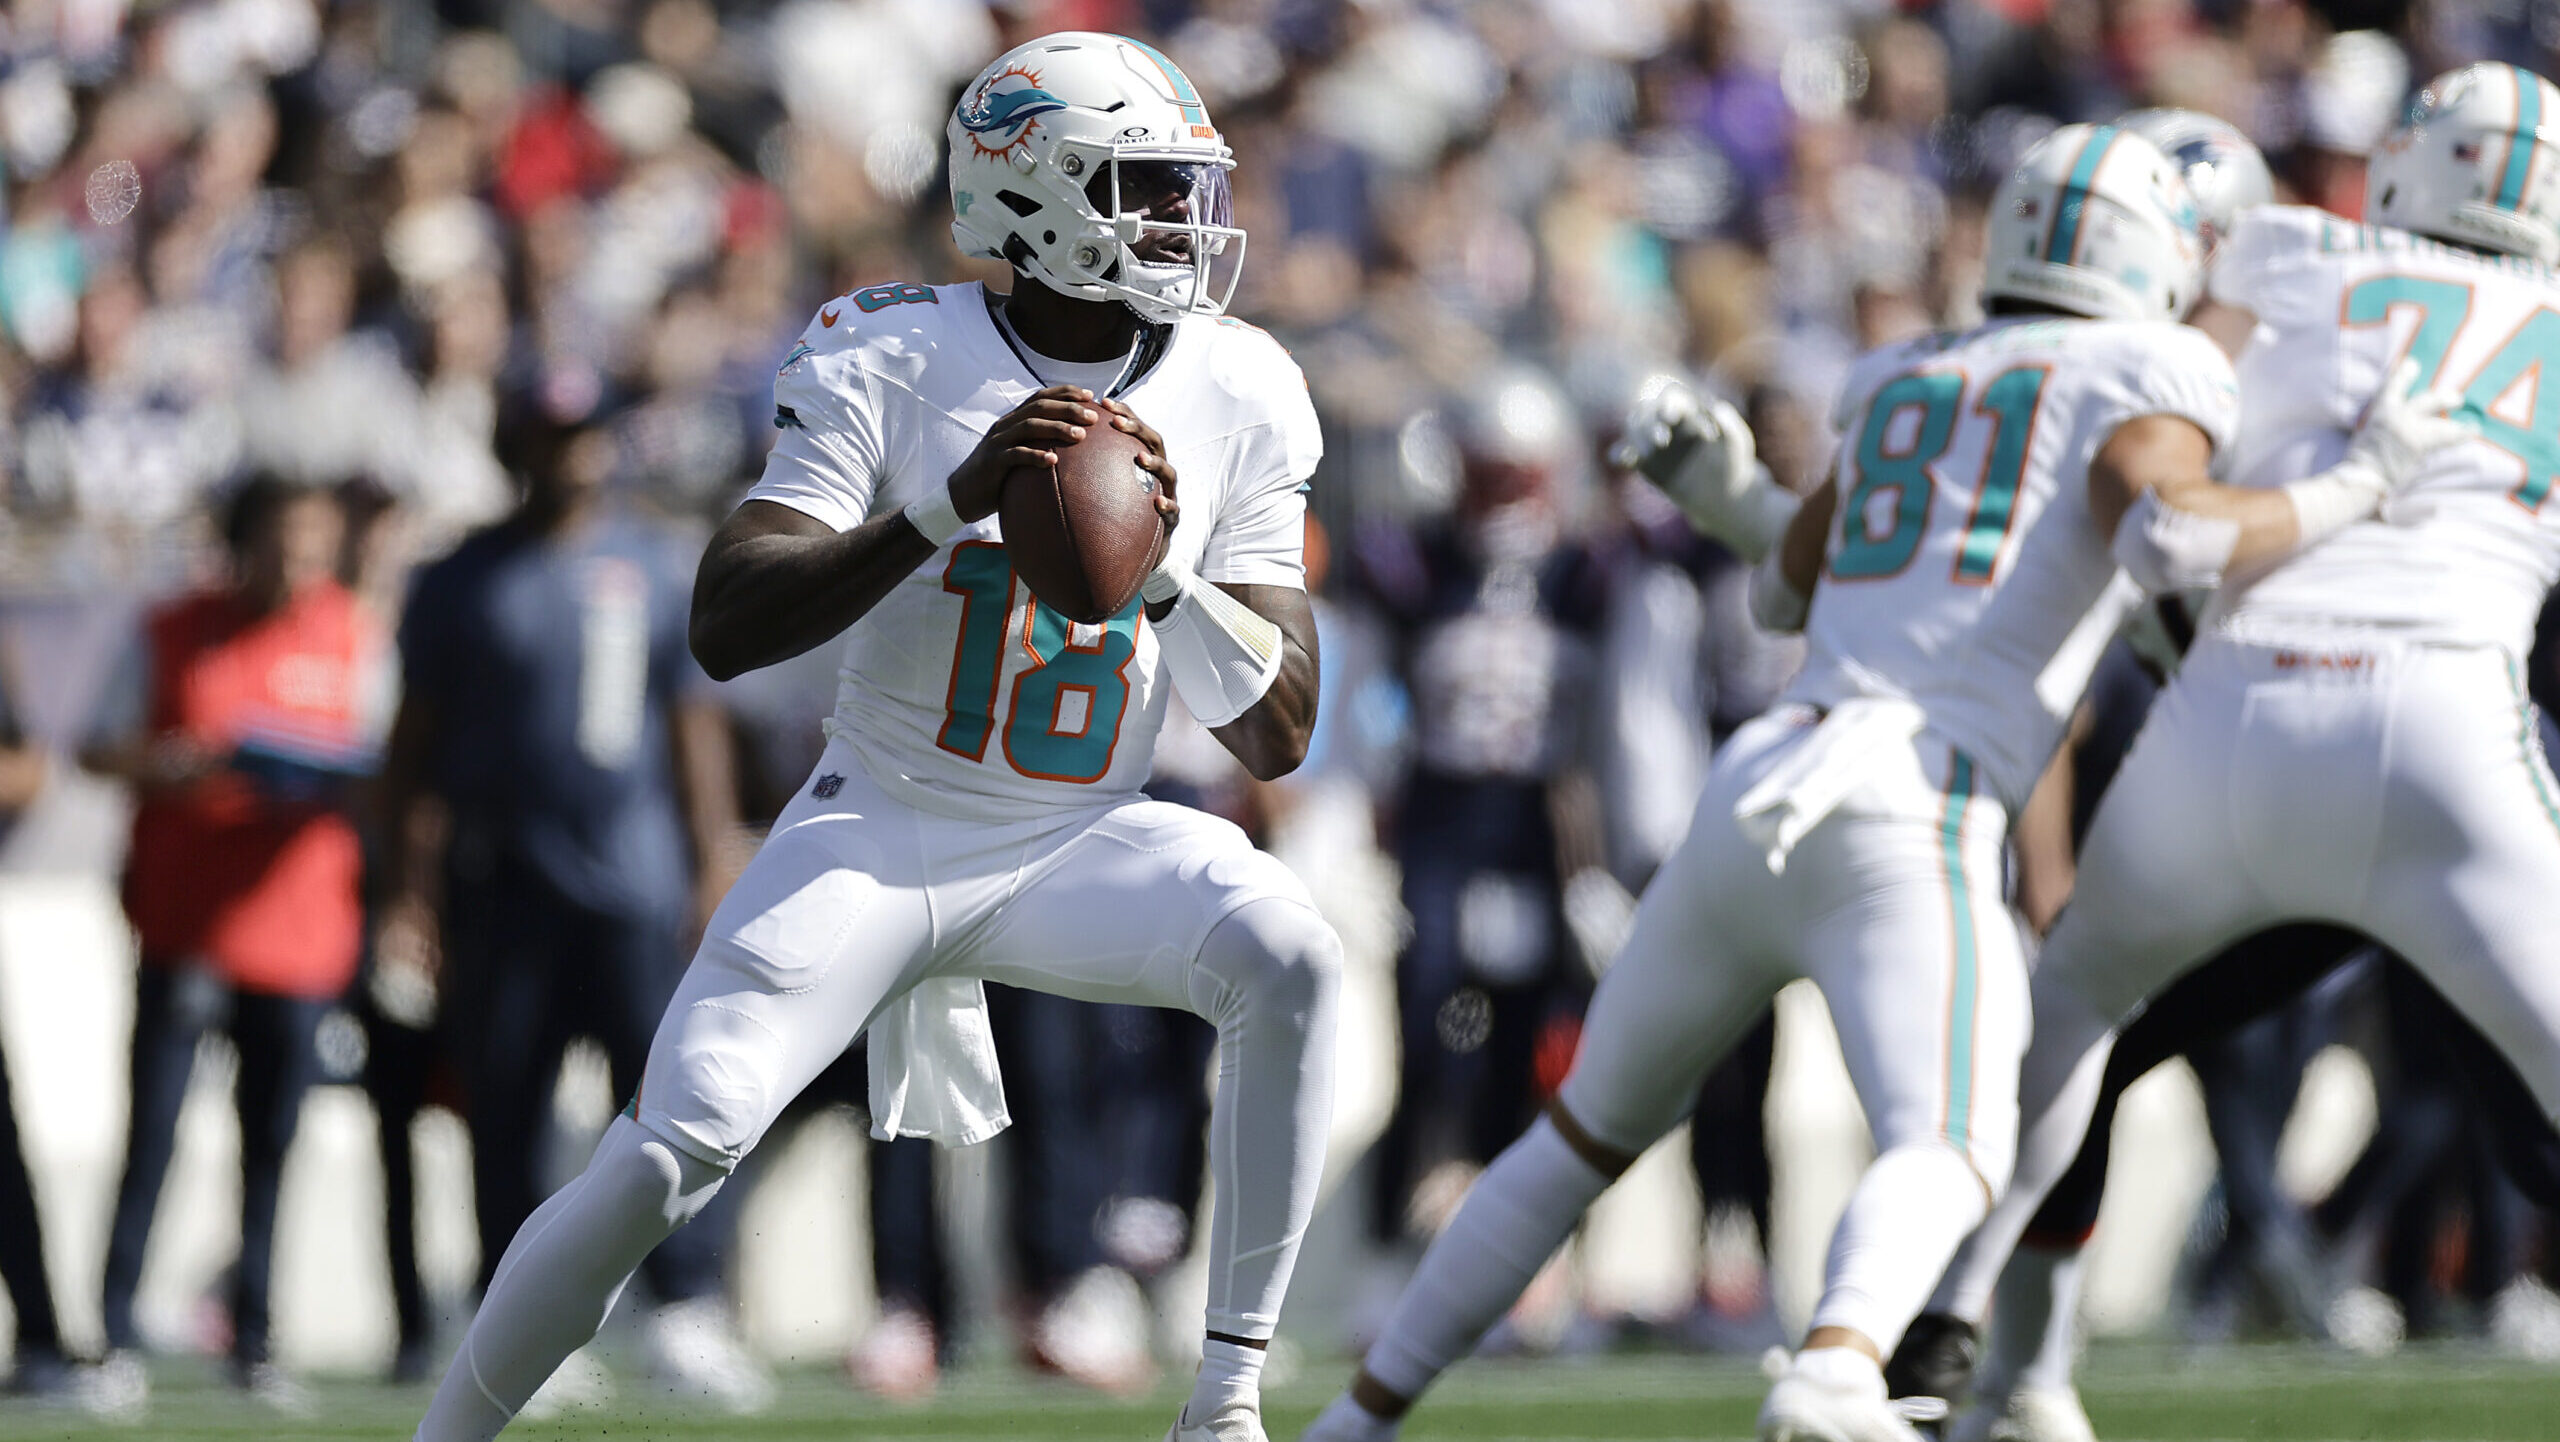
1166, 582
934, 517
2333, 500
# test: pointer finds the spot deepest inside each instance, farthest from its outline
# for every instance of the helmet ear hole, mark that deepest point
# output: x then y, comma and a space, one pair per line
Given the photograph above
1017, 202
2388, 192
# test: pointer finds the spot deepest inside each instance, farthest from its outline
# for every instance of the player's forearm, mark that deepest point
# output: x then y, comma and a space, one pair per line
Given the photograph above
1271, 737
763, 598
2269, 528
1800, 549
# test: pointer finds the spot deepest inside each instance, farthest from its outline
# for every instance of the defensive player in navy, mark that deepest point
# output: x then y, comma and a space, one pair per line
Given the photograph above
977, 813
1961, 572
2349, 740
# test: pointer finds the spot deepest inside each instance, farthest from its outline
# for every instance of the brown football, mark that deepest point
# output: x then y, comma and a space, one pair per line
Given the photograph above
1084, 533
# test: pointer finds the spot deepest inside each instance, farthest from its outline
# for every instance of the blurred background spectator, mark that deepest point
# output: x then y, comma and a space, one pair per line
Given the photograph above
588, 816
246, 711
529, 264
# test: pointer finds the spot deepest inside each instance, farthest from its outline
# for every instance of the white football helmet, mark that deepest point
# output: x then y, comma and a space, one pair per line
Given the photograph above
2097, 222
2223, 171
1088, 162
2474, 163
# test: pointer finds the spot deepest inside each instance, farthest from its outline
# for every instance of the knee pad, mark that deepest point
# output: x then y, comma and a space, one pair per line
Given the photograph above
1272, 952
643, 1164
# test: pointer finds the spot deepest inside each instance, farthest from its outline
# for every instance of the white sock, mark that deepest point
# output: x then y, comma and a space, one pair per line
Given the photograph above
1903, 1222
1267, 978
561, 1276
1230, 1377
1514, 1218
2058, 1083
1842, 1369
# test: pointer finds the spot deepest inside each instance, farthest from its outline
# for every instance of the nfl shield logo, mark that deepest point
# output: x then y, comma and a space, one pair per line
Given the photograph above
827, 787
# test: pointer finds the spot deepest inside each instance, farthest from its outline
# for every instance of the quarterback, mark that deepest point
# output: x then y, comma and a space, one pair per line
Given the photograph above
977, 813
2349, 740
1955, 582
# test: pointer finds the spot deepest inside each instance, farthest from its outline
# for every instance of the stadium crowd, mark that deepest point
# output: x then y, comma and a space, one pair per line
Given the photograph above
298, 299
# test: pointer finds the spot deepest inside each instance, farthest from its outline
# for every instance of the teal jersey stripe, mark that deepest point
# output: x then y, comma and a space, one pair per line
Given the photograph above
1183, 94
2075, 195
1961, 996
2527, 137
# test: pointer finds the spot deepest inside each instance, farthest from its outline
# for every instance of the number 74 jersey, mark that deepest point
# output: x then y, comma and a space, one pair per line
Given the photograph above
2465, 552
1964, 570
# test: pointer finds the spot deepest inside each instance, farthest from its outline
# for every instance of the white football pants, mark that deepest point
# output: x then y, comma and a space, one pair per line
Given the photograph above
2392, 787
854, 899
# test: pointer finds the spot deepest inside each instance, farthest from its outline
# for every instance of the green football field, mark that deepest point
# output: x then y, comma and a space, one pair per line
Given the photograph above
2134, 1393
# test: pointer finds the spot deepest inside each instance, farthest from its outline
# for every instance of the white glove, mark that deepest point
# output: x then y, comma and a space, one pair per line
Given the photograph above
2405, 427
2402, 430
1698, 452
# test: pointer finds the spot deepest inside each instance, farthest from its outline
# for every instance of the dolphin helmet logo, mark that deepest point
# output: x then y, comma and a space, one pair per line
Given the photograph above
1000, 116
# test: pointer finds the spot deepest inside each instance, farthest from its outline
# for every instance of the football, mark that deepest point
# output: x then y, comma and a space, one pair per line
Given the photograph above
1084, 533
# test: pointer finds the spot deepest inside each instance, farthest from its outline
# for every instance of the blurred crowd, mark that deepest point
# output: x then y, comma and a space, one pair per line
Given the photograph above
425, 339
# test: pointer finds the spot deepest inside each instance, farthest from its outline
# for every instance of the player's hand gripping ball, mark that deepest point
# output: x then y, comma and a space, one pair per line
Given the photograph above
1085, 529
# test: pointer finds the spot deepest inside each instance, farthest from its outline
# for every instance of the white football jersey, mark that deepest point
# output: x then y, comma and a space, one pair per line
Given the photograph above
960, 692
1964, 571
2338, 304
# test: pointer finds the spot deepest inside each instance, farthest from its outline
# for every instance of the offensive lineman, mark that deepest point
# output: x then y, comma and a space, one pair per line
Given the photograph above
1853, 834
2349, 741
977, 814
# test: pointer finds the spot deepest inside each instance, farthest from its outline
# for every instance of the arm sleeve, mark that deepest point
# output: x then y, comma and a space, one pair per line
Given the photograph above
828, 461
2261, 268
1259, 537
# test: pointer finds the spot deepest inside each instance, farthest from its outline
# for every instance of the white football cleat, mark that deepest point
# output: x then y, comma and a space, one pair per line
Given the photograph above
1236, 1422
1803, 1408
2030, 1414
581, 1383
1347, 1421
694, 1351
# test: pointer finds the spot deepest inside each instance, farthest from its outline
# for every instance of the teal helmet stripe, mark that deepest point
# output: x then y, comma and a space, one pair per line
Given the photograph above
2527, 138
2065, 241
1183, 94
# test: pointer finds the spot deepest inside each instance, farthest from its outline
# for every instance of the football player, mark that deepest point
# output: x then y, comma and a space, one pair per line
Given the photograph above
977, 812
2029, 1373
1955, 582
2349, 741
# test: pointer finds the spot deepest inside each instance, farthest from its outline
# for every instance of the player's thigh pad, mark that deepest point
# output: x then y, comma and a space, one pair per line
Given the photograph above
2468, 883
827, 923
1921, 962
1117, 912
1696, 973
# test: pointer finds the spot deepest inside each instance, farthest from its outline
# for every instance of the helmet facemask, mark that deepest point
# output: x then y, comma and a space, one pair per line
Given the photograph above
1161, 236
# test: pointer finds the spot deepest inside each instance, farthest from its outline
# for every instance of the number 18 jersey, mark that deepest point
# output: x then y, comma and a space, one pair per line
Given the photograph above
2465, 552
1964, 571
961, 693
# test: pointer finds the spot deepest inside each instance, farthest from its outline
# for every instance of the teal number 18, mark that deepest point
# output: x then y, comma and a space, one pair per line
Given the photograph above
2443, 307
1041, 737
1867, 554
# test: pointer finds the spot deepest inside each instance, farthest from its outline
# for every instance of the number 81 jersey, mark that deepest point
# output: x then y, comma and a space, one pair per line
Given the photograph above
960, 692
1964, 570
